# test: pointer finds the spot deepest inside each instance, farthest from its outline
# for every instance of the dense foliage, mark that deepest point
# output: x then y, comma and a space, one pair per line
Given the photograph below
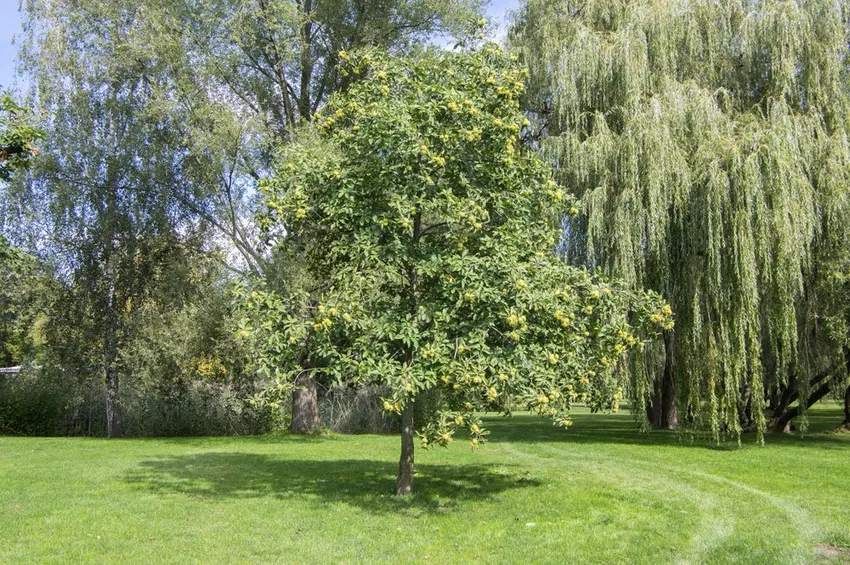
17, 137
22, 284
708, 143
159, 119
183, 372
407, 252
431, 234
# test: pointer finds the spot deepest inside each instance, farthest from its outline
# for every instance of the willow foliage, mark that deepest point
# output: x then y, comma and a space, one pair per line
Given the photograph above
708, 142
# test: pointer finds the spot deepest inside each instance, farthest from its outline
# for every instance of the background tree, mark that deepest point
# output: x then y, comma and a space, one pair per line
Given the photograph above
433, 232
99, 185
182, 372
708, 144
231, 79
17, 137
24, 285
20, 274
192, 97
244, 76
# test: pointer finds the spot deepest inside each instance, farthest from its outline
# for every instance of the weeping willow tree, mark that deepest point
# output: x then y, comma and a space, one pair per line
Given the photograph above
708, 143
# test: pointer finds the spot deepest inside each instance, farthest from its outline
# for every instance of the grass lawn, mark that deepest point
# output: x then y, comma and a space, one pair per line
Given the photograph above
598, 493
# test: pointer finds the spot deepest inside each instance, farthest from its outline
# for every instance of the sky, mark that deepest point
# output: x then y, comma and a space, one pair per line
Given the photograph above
10, 25
497, 13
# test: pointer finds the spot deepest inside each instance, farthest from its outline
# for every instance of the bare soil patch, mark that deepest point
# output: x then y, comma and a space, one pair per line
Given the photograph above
832, 551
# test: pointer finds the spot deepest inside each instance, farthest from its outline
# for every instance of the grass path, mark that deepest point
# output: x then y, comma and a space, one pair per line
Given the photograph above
598, 493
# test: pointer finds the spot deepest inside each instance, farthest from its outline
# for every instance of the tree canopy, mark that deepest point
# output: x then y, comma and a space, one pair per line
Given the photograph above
430, 233
440, 228
708, 143
230, 79
161, 117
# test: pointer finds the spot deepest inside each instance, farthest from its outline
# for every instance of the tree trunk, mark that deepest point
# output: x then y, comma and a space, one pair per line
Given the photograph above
783, 415
304, 100
783, 423
109, 218
789, 395
662, 410
654, 413
114, 421
404, 483
785, 399
305, 405
670, 418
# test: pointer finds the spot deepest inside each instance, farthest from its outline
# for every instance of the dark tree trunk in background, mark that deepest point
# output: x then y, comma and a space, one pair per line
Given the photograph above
404, 483
745, 407
847, 407
847, 392
305, 405
114, 422
783, 401
662, 411
670, 418
783, 422
654, 413
783, 415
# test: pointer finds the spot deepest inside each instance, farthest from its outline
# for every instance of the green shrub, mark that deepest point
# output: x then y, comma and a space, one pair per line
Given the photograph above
356, 410
30, 405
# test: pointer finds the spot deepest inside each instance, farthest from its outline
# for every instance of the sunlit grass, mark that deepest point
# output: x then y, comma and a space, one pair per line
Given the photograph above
598, 493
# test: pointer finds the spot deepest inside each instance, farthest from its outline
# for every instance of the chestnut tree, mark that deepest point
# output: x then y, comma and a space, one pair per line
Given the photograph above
430, 236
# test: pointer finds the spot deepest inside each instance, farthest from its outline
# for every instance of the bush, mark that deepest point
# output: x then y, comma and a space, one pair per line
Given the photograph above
350, 410
30, 405
49, 403
358, 410
196, 409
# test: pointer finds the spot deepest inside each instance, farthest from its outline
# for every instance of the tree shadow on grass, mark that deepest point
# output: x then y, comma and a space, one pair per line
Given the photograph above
622, 429
363, 483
